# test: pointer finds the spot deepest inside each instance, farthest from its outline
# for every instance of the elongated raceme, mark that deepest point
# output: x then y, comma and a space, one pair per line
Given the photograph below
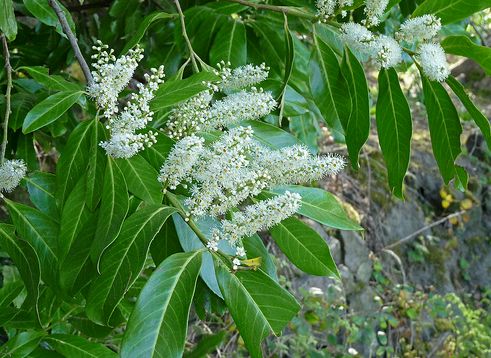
421, 28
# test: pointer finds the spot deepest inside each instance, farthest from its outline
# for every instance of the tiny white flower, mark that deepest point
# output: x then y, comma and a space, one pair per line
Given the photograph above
240, 251
374, 10
421, 28
11, 173
358, 37
236, 263
352, 351
386, 52
316, 291
434, 61
240, 77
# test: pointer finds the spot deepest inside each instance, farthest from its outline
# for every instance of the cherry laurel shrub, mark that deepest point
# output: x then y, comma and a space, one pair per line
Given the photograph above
146, 174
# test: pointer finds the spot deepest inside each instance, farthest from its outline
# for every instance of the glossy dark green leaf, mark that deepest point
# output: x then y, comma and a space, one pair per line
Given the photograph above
304, 247
157, 153
451, 10
463, 46
77, 270
357, 124
44, 13
271, 136
394, 127
122, 262
158, 325
26, 151
206, 345
306, 129
51, 82
8, 24
26, 260
290, 55
112, 212
74, 216
319, 205
258, 305
89, 328
49, 110
230, 44
40, 231
478, 117
73, 160
10, 290
175, 91
41, 187
166, 243
445, 128
76, 346
144, 25
141, 179
328, 86
21, 104
96, 166
22, 344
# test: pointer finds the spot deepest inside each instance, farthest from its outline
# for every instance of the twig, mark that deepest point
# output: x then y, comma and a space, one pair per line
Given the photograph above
5, 124
423, 229
73, 41
283, 9
192, 55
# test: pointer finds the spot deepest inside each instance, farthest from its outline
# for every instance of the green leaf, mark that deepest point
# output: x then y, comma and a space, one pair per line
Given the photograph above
319, 205
166, 243
445, 128
157, 153
328, 86
304, 247
75, 346
22, 103
49, 110
290, 55
40, 232
114, 207
77, 270
481, 121
190, 242
26, 151
51, 82
141, 179
463, 46
257, 304
254, 247
73, 160
158, 324
96, 166
73, 217
206, 345
41, 187
175, 91
305, 127
271, 136
357, 125
230, 44
44, 13
145, 24
22, 344
123, 261
27, 262
8, 25
451, 10
394, 127
9, 290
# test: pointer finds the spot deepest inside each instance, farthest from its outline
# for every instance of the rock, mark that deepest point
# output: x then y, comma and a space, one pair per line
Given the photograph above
356, 255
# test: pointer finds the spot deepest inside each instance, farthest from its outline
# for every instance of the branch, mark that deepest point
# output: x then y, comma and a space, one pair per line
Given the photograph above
423, 229
5, 124
287, 10
73, 41
94, 5
192, 55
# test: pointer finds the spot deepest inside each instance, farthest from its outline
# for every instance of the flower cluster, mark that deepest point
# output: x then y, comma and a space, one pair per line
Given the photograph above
422, 28
11, 173
326, 8
383, 50
243, 101
374, 10
434, 62
236, 168
386, 51
111, 76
